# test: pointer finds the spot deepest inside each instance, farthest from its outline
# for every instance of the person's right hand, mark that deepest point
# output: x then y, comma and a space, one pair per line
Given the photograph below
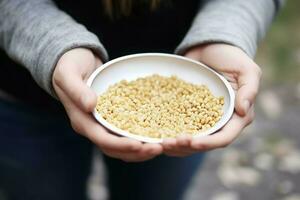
69, 76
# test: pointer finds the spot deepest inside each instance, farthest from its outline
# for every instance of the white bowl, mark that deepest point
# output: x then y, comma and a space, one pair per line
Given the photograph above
135, 66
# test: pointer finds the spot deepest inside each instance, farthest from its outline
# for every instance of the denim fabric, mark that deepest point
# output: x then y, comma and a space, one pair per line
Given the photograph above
41, 158
163, 178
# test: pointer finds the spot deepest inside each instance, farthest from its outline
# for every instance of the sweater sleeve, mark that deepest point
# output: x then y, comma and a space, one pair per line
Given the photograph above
236, 22
35, 33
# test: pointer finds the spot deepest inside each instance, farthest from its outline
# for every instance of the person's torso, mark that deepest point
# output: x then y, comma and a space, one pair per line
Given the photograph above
144, 31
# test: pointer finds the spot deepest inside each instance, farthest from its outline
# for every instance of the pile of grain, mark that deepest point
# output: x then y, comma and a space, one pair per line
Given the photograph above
159, 107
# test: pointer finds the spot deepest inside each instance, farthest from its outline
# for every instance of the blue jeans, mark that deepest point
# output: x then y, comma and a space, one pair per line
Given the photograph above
41, 158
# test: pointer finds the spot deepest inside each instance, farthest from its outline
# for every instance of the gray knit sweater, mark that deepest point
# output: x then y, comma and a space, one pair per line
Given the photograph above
36, 33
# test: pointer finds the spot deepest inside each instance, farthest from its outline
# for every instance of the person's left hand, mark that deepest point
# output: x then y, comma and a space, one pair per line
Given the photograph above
244, 76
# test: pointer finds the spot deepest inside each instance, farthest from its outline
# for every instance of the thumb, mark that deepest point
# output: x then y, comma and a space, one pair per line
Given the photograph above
72, 84
248, 83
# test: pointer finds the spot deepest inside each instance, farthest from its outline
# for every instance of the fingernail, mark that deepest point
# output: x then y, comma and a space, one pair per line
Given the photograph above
246, 105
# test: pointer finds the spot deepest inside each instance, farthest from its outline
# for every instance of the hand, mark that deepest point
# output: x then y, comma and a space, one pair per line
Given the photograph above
70, 74
244, 76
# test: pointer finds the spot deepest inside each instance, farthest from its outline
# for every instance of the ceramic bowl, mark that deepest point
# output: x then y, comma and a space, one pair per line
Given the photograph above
135, 66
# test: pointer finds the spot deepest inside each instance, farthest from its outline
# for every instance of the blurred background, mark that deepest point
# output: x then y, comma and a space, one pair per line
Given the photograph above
264, 163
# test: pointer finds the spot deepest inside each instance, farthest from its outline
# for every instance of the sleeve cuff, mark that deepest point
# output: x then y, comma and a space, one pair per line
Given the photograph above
236, 22
199, 38
55, 49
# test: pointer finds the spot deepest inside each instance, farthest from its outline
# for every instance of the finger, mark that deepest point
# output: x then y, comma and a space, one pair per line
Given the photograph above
85, 124
184, 141
238, 64
71, 82
248, 82
103, 139
169, 146
147, 152
184, 144
226, 135
178, 147
177, 153
169, 143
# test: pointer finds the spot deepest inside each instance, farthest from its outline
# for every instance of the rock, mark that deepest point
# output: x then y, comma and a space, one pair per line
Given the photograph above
284, 147
232, 176
235, 157
228, 176
264, 161
231, 156
285, 187
226, 196
290, 162
270, 104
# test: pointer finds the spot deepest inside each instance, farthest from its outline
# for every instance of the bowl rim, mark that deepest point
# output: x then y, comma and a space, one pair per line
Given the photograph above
121, 132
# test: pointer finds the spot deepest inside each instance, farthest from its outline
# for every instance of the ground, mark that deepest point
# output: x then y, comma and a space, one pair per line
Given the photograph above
264, 163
